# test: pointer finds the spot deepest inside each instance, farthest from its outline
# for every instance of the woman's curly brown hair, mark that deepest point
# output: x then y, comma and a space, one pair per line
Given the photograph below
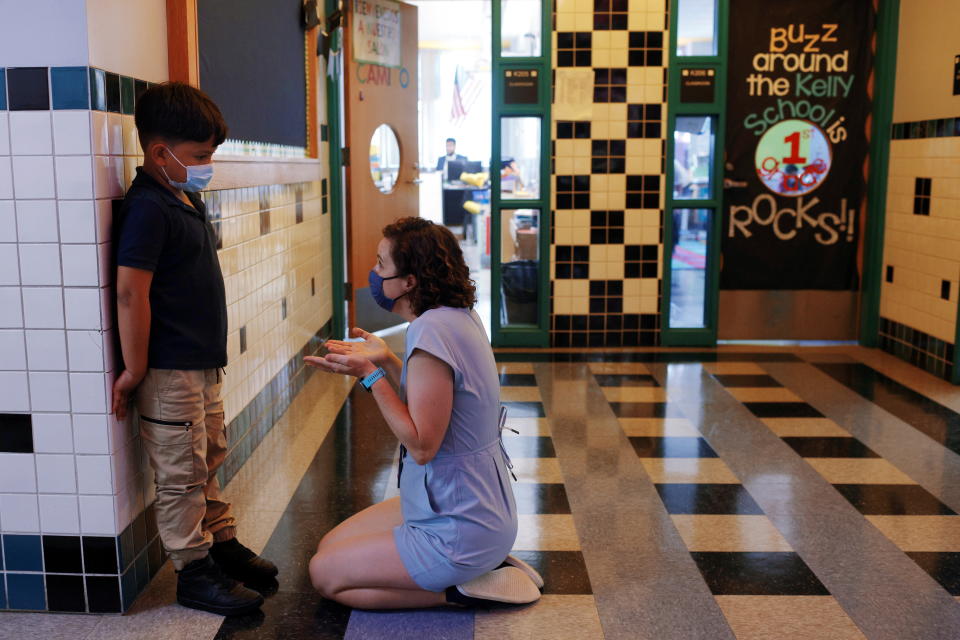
432, 254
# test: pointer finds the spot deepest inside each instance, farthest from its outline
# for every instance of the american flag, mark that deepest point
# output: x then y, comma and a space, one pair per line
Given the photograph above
465, 94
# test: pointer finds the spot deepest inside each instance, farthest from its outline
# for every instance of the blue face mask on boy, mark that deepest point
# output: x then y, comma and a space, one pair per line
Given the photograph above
376, 290
198, 175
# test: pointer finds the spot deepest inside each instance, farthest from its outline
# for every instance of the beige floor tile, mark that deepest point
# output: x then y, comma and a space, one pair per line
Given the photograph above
763, 394
530, 426
920, 533
618, 367
635, 394
806, 427
859, 471
520, 394
546, 532
793, 617
558, 617
540, 470
688, 471
729, 533
659, 427
515, 367
733, 368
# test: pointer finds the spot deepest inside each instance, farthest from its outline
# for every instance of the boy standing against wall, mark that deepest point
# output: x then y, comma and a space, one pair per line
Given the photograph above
172, 316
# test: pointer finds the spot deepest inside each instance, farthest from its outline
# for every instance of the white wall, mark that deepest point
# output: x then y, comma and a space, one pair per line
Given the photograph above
43, 33
128, 37
927, 45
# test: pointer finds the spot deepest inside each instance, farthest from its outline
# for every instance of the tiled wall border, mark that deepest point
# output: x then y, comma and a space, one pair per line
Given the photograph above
940, 128
916, 347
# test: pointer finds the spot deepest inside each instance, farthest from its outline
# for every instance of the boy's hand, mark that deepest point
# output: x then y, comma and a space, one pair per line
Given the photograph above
373, 348
122, 388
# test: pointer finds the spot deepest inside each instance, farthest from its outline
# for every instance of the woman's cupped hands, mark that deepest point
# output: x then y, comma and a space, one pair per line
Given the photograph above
354, 357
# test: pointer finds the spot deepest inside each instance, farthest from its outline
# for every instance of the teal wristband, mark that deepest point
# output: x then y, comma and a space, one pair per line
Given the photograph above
368, 382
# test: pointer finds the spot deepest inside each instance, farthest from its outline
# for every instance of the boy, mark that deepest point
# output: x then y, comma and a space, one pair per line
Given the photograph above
172, 318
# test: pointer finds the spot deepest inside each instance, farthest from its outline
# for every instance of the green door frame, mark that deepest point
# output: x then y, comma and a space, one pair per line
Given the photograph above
706, 336
336, 186
537, 335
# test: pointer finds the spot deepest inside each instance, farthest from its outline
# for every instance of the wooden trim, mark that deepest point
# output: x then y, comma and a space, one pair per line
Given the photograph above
313, 120
182, 56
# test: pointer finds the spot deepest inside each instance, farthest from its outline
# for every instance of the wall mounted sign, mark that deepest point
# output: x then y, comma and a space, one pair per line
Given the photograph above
376, 32
697, 85
520, 86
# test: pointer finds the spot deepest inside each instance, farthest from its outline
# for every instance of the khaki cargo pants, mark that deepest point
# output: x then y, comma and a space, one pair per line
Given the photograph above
181, 426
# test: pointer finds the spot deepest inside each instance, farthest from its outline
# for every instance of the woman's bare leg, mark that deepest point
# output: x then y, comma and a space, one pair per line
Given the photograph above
383, 516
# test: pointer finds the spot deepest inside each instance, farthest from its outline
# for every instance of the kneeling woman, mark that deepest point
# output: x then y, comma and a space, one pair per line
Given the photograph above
447, 537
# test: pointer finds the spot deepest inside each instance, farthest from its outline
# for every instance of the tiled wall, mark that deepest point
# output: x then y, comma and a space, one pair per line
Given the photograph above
608, 175
76, 522
919, 297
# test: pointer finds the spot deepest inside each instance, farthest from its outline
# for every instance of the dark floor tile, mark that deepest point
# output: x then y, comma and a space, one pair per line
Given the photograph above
564, 572
645, 410
940, 423
708, 499
65, 593
625, 380
830, 447
518, 380
782, 410
525, 409
291, 616
943, 566
893, 500
540, 498
779, 573
655, 447
529, 446
746, 380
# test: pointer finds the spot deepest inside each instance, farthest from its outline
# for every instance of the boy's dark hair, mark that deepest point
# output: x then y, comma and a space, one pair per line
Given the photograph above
431, 253
178, 112
453, 140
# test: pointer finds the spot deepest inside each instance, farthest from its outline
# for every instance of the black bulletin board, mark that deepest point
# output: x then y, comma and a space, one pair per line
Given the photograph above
252, 63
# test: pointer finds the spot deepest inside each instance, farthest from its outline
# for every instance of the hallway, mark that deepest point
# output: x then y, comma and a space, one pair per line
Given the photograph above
663, 494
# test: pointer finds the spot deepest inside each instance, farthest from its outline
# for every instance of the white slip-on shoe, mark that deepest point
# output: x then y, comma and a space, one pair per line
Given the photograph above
509, 585
532, 573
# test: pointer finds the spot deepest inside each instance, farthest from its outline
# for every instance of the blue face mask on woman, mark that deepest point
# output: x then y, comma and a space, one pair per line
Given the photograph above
376, 290
198, 175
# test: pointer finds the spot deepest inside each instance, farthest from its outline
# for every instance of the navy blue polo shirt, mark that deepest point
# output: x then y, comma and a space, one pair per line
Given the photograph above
188, 306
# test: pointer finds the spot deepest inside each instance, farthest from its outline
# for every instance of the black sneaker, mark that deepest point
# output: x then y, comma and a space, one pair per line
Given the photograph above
241, 563
201, 585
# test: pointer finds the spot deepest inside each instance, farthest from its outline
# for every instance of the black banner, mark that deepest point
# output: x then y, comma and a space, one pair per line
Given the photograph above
797, 112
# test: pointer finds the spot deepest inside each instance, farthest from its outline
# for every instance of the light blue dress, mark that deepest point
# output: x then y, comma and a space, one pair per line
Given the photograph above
459, 514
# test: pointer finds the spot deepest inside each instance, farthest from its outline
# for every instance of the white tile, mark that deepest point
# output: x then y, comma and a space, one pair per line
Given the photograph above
18, 513
11, 311
129, 506
97, 515
14, 395
80, 265
115, 134
12, 352
8, 221
59, 514
49, 391
121, 431
4, 134
56, 474
94, 475
86, 350
17, 473
77, 221
6, 178
101, 144
9, 265
46, 350
52, 433
74, 177
33, 177
40, 264
107, 301
30, 133
129, 136
88, 392
105, 263
43, 307
108, 176
104, 214
71, 132
82, 308
126, 466
91, 433
37, 221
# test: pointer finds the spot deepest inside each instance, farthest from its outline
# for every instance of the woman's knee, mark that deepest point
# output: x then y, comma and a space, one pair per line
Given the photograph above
322, 575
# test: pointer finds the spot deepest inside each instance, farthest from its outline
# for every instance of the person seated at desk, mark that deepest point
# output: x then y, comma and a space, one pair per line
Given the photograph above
510, 181
443, 162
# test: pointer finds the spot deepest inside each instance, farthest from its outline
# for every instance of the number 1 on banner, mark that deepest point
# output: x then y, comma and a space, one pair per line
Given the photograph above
794, 157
